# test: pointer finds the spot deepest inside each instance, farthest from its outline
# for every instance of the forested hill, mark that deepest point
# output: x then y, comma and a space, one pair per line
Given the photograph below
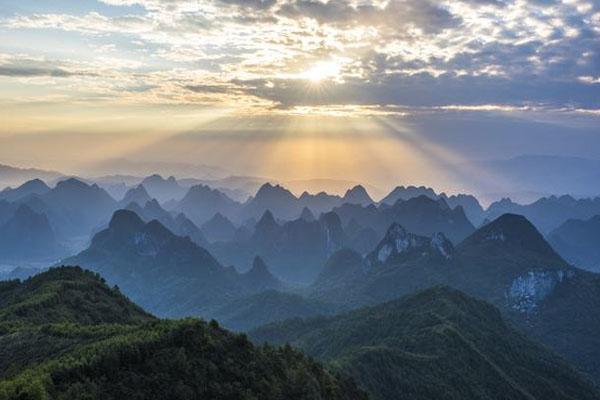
78, 353
438, 344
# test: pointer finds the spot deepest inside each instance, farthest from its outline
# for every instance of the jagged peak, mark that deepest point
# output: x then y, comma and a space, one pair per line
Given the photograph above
511, 230
307, 215
34, 184
125, 220
71, 183
268, 189
357, 195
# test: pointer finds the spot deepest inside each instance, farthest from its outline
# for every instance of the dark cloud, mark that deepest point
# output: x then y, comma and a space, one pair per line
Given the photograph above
22, 71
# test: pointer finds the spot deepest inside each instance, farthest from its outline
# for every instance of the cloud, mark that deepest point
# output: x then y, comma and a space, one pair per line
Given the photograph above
400, 53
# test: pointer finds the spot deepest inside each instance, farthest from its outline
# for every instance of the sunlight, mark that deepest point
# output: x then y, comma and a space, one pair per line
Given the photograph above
321, 71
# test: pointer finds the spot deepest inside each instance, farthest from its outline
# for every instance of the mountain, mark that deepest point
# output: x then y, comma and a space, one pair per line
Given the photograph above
259, 278
407, 193
578, 241
13, 176
28, 235
469, 203
163, 189
218, 229
435, 344
420, 215
166, 274
66, 335
274, 198
506, 262
548, 213
32, 187
295, 250
137, 195
320, 202
73, 207
357, 195
201, 203
66, 294
307, 215
180, 224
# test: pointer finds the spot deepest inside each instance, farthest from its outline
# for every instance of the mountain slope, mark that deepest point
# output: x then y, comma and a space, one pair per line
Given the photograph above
165, 273
436, 344
27, 235
66, 294
578, 241
138, 357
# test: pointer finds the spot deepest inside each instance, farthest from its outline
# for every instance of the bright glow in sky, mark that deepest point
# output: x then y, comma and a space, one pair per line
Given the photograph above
380, 90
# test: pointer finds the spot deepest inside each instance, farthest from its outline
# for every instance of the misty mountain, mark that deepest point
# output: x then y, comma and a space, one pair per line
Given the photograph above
218, 229
578, 241
165, 273
137, 195
73, 207
420, 215
295, 250
357, 195
201, 203
178, 224
66, 334
32, 187
407, 193
473, 210
163, 189
274, 198
548, 213
435, 344
28, 236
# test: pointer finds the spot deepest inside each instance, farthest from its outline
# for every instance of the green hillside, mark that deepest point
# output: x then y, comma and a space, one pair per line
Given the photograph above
79, 353
436, 344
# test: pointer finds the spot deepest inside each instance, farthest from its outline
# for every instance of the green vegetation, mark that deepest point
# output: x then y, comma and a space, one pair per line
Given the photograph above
436, 344
50, 349
66, 294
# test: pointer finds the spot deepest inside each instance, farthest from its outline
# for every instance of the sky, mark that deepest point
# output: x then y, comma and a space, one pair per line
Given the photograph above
380, 91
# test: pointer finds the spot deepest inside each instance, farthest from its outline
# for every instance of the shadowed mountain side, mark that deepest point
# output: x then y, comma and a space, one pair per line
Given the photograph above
436, 344
167, 274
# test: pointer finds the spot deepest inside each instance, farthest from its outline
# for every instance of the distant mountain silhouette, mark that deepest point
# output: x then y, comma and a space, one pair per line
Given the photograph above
295, 250
420, 215
201, 203
357, 195
32, 187
218, 229
28, 235
578, 241
469, 203
137, 195
274, 198
163, 189
548, 213
167, 274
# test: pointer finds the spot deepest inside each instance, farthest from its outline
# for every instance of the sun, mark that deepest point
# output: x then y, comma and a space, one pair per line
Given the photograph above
321, 71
